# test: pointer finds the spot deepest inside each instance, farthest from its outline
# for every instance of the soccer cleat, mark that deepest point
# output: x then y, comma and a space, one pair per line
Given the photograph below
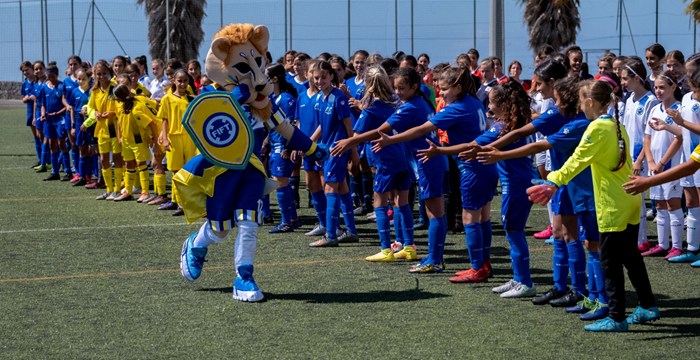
695, 264
168, 206
425, 269
318, 230
143, 197
67, 177
408, 253
192, 259
386, 255
651, 215
179, 212
471, 276
372, 216
488, 267
75, 178
158, 200
41, 169
124, 197
569, 299
112, 196
607, 325
655, 251
641, 315
52, 177
348, 237
544, 234
686, 257
673, 253
81, 181
519, 291
599, 311
644, 246
324, 242
35, 165
581, 307
420, 225
244, 286
297, 223
103, 196
552, 293
396, 246
550, 240
505, 287
281, 228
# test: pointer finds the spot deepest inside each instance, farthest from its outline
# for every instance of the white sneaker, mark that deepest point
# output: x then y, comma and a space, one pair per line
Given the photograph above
519, 291
396, 246
112, 196
318, 230
372, 216
505, 287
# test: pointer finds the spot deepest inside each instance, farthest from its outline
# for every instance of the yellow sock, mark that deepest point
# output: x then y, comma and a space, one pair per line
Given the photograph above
144, 178
173, 191
118, 177
159, 184
129, 180
107, 177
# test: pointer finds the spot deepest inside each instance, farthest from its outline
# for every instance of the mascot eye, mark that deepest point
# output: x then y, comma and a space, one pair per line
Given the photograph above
242, 68
259, 61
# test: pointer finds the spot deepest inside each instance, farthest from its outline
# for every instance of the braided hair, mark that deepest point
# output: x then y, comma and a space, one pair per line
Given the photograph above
601, 92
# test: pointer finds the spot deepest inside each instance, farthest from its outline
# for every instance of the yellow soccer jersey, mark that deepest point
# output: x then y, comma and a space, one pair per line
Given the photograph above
696, 154
135, 125
615, 209
102, 101
172, 108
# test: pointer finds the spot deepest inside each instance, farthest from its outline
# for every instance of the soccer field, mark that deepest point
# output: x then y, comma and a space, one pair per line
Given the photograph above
96, 279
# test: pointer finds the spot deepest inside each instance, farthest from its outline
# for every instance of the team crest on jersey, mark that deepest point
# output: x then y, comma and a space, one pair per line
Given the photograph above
640, 110
566, 131
550, 112
329, 110
696, 107
220, 129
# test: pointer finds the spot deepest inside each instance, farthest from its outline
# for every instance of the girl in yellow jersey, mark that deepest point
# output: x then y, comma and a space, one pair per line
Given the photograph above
603, 147
178, 145
102, 111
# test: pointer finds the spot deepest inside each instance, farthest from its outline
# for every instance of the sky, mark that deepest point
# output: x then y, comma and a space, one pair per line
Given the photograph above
441, 28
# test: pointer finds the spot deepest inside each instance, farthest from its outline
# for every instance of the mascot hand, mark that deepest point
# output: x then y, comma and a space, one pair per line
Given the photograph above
542, 191
320, 154
241, 93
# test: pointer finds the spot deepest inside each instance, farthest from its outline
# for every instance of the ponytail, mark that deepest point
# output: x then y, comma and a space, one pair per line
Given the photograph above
621, 144
601, 92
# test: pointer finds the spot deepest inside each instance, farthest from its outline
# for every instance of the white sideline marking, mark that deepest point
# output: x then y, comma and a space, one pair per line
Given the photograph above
88, 228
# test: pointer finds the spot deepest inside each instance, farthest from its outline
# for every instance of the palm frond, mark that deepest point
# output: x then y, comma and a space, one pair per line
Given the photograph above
185, 27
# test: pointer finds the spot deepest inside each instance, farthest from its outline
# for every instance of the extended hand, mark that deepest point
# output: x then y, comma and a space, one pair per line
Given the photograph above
542, 192
636, 185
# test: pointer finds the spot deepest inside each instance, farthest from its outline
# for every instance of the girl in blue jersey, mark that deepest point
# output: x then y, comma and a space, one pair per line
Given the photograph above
464, 119
393, 173
52, 109
334, 125
27, 92
83, 136
281, 167
39, 79
69, 84
300, 81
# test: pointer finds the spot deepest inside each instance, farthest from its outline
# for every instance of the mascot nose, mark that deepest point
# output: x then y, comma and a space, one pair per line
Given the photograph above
260, 87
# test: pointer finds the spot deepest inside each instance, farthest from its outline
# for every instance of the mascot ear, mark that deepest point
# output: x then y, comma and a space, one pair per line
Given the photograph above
261, 38
220, 48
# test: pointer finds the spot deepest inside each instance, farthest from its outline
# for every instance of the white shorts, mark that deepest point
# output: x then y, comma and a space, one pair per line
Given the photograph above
691, 180
667, 191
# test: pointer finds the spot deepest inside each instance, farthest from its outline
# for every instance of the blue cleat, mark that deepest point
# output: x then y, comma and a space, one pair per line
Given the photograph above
641, 315
599, 311
192, 259
695, 264
686, 257
550, 240
607, 325
581, 307
244, 286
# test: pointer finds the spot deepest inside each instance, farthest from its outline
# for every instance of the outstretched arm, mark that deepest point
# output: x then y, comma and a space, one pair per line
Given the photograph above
407, 135
639, 184
491, 155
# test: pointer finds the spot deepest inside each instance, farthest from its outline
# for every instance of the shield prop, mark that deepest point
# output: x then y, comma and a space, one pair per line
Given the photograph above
220, 129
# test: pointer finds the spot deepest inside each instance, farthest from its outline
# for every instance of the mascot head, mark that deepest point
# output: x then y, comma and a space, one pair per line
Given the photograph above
237, 56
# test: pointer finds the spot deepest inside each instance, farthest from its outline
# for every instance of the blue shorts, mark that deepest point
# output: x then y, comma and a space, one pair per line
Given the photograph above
588, 226
310, 164
237, 196
432, 185
54, 129
280, 167
30, 118
384, 183
84, 138
67, 123
477, 187
515, 209
335, 169
561, 202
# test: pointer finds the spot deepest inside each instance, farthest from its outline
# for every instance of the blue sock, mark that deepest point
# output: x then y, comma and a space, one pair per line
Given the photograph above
577, 266
592, 289
487, 234
475, 244
355, 188
75, 155
599, 277
37, 148
319, 200
81, 167
45, 154
560, 265
266, 211
436, 242
96, 166
367, 188
398, 225
65, 161
332, 214
54, 163
407, 224
294, 189
348, 213
519, 257
383, 226
422, 214
283, 199
441, 240
292, 206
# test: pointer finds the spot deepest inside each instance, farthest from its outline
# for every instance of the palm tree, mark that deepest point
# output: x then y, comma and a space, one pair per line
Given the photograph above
185, 27
693, 9
551, 22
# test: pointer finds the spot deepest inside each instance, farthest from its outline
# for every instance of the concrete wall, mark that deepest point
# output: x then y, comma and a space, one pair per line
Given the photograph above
10, 90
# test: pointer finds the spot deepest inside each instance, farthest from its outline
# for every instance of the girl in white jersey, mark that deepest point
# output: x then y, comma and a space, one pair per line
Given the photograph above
662, 142
637, 109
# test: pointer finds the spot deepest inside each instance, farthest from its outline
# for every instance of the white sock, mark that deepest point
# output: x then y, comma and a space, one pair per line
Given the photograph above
642, 225
693, 234
677, 228
549, 212
244, 250
206, 236
663, 228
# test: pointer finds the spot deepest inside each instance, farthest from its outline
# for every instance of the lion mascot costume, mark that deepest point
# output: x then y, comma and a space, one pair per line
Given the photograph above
226, 181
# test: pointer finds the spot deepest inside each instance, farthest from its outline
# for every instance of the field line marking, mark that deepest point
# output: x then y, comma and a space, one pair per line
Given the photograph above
43, 199
159, 271
80, 228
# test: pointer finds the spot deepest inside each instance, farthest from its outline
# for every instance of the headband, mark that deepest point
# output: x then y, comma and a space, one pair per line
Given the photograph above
610, 80
632, 71
668, 78
52, 70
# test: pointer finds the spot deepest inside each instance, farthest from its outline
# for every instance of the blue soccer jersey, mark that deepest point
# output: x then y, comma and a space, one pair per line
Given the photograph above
306, 113
79, 99
513, 173
300, 86
287, 104
28, 90
356, 90
332, 110
547, 124
565, 141
68, 86
51, 99
390, 159
37, 99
